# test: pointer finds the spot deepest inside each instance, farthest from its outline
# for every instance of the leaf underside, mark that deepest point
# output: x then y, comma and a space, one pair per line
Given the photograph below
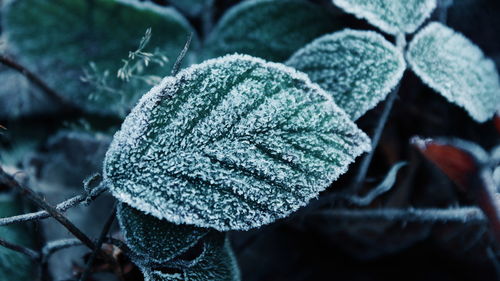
217, 263
42, 35
457, 69
268, 29
153, 239
358, 68
391, 16
233, 143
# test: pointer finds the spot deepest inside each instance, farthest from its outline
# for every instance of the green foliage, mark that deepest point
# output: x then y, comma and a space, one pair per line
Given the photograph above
190, 7
358, 68
156, 240
216, 263
457, 69
269, 29
57, 39
14, 265
232, 143
391, 16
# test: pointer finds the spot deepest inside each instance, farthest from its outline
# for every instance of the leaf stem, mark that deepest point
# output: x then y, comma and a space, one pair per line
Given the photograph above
100, 241
180, 58
365, 164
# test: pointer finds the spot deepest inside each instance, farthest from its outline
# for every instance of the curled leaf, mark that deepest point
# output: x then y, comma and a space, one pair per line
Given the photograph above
218, 263
358, 68
232, 143
391, 16
457, 69
269, 29
155, 240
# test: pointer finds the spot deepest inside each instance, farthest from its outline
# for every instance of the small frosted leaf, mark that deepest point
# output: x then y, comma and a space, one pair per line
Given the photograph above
232, 143
457, 69
391, 16
217, 263
57, 39
269, 29
358, 68
154, 239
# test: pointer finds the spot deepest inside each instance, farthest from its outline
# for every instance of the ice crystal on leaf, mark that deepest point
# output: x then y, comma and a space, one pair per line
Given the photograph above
217, 263
358, 68
269, 29
391, 16
457, 69
57, 39
153, 239
232, 143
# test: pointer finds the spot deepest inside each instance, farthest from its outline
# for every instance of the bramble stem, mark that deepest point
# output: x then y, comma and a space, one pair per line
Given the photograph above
365, 164
13, 184
20, 249
100, 241
61, 207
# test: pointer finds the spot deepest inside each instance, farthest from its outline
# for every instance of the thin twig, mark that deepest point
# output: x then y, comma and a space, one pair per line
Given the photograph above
54, 246
51, 94
465, 214
61, 207
13, 184
100, 241
180, 58
365, 164
32, 254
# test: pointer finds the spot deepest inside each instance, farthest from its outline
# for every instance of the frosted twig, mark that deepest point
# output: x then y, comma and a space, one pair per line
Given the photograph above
20, 249
100, 241
365, 164
180, 58
13, 184
50, 93
53, 246
464, 214
61, 207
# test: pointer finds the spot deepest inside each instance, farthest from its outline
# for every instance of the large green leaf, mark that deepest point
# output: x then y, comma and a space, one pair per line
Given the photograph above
457, 69
269, 29
57, 39
216, 263
190, 7
391, 16
153, 239
232, 143
14, 265
358, 68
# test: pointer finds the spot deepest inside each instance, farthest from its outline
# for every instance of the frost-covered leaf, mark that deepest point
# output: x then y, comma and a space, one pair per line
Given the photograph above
217, 263
14, 265
57, 39
269, 29
232, 143
358, 68
457, 69
391, 16
154, 239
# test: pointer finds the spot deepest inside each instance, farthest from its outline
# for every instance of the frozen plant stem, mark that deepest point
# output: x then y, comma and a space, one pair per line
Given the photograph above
466, 214
365, 164
13, 184
180, 58
61, 207
20, 249
51, 94
100, 241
